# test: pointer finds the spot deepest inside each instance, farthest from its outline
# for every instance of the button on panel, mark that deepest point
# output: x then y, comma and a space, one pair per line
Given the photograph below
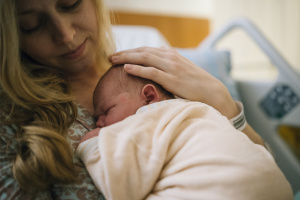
279, 101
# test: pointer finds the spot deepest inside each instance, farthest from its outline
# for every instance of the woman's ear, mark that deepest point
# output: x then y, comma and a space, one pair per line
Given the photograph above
150, 94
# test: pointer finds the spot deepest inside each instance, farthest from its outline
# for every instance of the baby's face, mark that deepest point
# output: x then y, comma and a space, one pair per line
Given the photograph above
112, 108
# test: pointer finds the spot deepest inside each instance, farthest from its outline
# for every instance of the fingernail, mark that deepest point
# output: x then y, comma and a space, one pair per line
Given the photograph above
114, 58
127, 67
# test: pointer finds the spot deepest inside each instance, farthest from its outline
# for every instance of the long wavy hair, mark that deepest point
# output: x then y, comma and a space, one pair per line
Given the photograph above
36, 102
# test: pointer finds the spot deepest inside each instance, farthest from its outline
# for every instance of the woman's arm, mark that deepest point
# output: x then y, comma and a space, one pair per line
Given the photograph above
182, 78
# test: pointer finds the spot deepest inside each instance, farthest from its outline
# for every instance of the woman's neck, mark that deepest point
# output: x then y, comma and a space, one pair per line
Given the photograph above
83, 85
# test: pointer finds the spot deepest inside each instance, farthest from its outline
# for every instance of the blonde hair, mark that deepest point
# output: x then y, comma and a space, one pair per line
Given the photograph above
36, 101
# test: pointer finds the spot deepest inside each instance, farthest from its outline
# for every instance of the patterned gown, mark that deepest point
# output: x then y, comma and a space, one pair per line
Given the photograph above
84, 189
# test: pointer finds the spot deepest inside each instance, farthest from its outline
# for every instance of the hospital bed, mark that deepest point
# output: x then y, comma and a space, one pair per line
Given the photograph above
271, 107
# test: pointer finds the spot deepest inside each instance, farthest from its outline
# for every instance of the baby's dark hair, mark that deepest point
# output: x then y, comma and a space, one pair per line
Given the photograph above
121, 76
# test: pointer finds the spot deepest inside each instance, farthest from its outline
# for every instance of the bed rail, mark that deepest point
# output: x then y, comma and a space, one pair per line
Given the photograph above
270, 104
242, 23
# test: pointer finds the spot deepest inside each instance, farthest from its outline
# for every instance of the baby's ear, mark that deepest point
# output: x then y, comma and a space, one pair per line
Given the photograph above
150, 94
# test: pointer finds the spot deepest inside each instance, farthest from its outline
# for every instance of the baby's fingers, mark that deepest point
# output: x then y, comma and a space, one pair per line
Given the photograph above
90, 134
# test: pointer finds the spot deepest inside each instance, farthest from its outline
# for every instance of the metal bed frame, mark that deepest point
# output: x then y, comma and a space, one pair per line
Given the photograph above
268, 104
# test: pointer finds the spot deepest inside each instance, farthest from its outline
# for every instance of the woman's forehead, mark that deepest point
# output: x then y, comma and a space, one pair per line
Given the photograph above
23, 5
28, 5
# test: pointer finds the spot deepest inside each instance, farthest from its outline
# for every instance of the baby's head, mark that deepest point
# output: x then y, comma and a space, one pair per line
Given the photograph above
119, 95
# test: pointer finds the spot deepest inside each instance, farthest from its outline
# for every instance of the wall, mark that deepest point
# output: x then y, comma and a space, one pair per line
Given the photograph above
279, 21
191, 8
173, 28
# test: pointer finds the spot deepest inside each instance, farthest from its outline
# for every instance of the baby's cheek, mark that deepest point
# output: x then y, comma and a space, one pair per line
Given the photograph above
109, 121
114, 118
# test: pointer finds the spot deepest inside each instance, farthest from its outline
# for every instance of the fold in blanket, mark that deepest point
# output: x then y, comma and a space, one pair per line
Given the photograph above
181, 150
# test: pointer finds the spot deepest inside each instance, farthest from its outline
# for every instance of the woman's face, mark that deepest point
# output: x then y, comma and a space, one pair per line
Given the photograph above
59, 33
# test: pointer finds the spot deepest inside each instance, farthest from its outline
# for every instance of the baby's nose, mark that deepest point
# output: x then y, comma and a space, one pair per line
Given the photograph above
100, 122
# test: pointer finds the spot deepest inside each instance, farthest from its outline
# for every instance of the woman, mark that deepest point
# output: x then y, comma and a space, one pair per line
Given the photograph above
52, 54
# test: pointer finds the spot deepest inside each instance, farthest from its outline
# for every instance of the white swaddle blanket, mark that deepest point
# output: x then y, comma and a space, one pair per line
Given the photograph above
181, 150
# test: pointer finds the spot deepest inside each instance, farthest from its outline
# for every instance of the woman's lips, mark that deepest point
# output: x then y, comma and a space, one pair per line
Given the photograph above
76, 53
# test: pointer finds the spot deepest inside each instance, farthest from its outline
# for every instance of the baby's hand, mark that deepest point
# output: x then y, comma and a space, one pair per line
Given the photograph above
90, 134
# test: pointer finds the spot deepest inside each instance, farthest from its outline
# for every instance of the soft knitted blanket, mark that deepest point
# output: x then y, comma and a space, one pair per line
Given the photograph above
181, 150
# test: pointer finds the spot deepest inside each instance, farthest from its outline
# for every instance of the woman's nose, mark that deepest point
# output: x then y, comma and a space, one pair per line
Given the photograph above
63, 30
100, 122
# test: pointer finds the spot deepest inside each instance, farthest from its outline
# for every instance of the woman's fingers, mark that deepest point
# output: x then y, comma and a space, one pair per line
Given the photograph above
139, 58
182, 83
176, 74
147, 56
151, 73
162, 65
151, 50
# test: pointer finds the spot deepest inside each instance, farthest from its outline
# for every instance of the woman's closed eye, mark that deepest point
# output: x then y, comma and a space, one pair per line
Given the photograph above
41, 23
36, 23
71, 6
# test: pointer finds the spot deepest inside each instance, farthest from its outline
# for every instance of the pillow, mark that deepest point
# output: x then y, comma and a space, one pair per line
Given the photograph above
217, 63
130, 36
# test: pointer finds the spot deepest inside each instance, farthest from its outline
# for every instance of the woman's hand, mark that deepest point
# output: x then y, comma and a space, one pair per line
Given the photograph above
182, 78
89, 135
177, 75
